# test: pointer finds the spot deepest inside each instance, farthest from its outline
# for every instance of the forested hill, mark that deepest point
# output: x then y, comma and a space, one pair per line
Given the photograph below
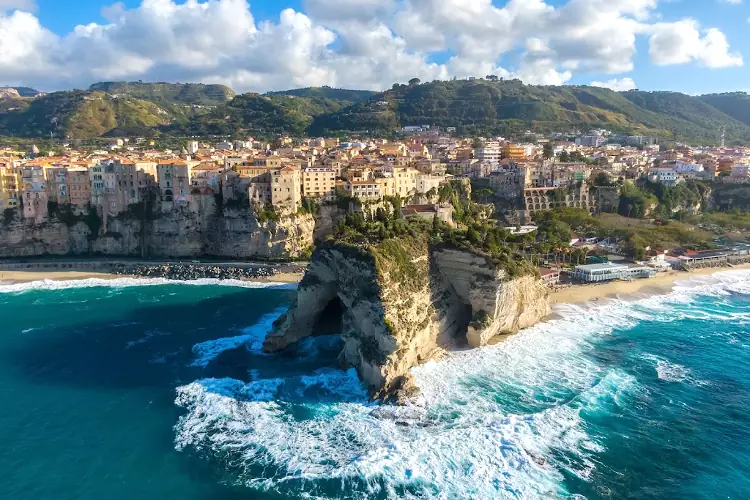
508, 107
351, 96
473, 107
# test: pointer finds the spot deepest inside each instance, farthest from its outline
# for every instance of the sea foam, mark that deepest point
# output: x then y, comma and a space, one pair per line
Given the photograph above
503, 421
130, 282
252, 337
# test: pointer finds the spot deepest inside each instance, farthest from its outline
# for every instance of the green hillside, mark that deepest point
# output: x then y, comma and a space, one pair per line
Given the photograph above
735, 104
169, 93
351, 96
508, 107
473, 107
83, 114
260, 116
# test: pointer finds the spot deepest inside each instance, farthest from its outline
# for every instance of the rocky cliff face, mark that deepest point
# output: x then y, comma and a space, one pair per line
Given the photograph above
403, 308
185, 232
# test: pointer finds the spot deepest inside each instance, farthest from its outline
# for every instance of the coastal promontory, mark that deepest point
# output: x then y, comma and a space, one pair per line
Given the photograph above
406, 300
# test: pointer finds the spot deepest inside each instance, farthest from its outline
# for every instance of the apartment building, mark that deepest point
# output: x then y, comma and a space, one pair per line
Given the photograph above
58, 185
206, 178
319, 183
79, 187
364, 190
10, 184
173, 177
286, 189
33, 191
406, 181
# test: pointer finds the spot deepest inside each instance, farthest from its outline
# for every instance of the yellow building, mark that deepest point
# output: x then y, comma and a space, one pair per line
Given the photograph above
406, 181
319, 183
514, 152
79, 186
9, 186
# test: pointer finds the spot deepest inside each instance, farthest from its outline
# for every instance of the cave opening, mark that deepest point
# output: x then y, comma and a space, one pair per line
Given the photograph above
331, 319
463, 320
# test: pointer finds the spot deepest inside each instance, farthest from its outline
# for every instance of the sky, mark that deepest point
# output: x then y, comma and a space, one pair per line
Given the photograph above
691, 46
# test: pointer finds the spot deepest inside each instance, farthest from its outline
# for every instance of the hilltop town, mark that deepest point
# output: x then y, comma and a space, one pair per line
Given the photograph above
597, 172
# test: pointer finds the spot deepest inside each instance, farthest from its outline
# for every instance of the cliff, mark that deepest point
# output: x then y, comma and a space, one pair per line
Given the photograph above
190, 231
402, 304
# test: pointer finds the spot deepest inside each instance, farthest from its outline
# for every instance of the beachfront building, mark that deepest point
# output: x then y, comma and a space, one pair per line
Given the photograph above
595, 273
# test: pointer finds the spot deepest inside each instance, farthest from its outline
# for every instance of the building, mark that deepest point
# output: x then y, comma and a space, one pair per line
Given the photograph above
10, 184
514, 152
33, 191
364, 190
442, 212
286, 189
593, 273
488, 154
173, 177
405, 181
319, 183
550, 198
206, 178
58, 185
592, 141
426, 183
664, 175
79, 187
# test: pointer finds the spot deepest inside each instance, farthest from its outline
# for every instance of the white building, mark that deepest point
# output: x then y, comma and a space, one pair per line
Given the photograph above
664, 175
593, 273
488, 154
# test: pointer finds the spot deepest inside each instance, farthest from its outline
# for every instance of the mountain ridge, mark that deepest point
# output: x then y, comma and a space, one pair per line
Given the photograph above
473, 107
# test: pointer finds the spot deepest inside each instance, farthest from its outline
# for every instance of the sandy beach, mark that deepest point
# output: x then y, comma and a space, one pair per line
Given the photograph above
659, 284
11, 277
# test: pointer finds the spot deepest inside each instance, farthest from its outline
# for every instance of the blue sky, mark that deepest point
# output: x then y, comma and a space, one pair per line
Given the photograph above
693, 46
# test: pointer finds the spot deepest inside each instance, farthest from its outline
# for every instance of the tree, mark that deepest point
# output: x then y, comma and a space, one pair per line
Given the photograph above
548, 151
564, 157
477, 143
414, 81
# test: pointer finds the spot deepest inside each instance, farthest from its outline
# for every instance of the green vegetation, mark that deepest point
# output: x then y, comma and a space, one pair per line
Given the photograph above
325, 92
508, 107
169, 93
635, 202
480, 107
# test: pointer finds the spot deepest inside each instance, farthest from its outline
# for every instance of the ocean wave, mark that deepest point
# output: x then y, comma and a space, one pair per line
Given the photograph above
252, 337
504, 421
131, 282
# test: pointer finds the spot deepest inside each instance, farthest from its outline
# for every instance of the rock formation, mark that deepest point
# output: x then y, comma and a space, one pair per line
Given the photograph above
190, 231
406, 304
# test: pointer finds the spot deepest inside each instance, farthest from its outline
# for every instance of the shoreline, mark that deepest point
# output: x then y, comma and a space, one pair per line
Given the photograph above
31, 275
660, 284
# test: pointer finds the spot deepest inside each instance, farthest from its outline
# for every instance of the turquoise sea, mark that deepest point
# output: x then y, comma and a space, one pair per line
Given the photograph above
153, 390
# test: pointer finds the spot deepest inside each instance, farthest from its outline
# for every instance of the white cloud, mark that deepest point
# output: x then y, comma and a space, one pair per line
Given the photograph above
683, 42
617, 84
350, 43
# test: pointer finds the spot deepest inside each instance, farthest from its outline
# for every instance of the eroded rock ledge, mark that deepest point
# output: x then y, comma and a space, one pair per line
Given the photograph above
403, 306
